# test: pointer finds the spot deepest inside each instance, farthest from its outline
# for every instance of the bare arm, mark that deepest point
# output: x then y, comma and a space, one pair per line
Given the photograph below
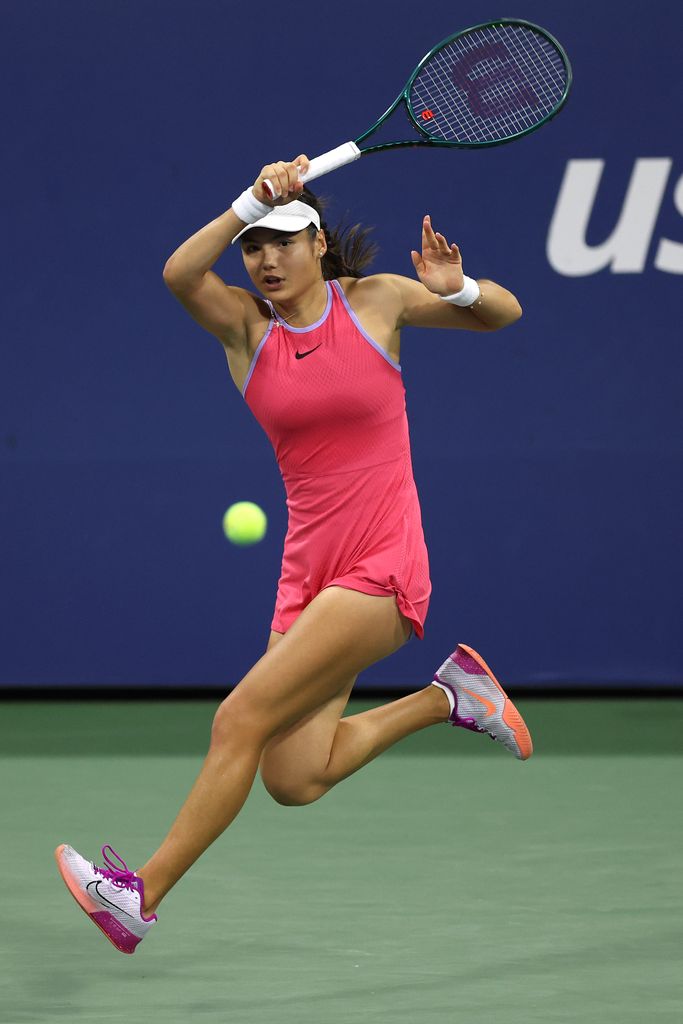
496, 308
222, 309
216, 306
193, 258
439, 269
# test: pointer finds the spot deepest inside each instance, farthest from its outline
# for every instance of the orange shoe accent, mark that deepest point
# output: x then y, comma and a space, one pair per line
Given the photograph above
490, 706
84, 902
511, 715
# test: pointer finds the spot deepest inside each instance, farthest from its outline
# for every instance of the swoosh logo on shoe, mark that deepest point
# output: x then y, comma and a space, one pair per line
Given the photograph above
300, 355
490, 706
105, 900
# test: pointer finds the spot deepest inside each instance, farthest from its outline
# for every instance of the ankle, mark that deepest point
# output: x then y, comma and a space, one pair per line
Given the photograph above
149, 907
440, 703
149, 902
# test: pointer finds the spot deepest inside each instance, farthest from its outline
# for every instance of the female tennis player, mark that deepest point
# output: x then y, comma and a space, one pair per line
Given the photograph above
314, 351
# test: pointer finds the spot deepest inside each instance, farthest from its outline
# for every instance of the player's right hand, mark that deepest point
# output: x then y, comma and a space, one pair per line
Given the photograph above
284, 178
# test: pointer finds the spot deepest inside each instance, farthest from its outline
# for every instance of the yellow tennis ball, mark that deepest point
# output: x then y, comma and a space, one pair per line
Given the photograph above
244, 523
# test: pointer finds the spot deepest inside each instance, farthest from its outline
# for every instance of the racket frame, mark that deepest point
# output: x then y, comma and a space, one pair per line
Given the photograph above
429, 140
351, 151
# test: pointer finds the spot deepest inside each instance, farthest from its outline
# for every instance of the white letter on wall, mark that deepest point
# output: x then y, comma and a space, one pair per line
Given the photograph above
670, 254
625, 251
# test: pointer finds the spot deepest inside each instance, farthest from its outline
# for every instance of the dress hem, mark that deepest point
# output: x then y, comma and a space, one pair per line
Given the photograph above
373, 590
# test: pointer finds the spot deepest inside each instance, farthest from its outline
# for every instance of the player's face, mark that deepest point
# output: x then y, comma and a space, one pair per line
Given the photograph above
281, 264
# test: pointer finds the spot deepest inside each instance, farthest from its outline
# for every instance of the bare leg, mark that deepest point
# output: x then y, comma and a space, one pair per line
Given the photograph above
302, 764
360, 738
338, 634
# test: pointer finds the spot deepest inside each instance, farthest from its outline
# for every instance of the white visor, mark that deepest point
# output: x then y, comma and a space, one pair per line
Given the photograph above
293, 216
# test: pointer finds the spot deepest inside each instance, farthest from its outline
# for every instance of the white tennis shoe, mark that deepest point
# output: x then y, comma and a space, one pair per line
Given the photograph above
478, 701
113, 898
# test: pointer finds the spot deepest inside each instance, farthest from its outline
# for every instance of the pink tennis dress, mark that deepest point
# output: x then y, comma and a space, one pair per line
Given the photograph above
332, 403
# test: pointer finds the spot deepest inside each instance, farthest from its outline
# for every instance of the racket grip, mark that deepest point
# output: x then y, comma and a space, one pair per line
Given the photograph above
319, 165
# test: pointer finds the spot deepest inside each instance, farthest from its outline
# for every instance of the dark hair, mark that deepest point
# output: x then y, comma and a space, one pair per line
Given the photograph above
348, 250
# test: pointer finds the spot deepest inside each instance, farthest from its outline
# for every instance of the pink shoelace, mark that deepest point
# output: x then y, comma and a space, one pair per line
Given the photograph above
125, 879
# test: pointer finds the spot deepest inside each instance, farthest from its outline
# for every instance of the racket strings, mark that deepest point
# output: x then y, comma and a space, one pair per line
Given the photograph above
489, 85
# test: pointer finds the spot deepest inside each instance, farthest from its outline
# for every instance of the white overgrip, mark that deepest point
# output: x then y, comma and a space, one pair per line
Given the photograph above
319, 165
330, 161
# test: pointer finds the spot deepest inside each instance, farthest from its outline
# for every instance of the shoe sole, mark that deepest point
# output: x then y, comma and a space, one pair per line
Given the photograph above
510, 714
90, 908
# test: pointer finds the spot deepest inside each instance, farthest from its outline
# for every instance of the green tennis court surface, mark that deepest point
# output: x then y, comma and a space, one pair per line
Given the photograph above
445, 882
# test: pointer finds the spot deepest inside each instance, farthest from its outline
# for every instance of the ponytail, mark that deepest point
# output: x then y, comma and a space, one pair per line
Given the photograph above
348, 250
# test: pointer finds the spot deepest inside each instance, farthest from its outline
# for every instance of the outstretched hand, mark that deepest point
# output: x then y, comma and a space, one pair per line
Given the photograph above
440, 265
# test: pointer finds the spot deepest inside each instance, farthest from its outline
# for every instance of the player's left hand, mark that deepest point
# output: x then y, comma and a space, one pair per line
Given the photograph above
440, 265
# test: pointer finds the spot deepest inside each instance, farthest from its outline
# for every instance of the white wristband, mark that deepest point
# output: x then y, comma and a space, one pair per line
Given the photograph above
249, 209
468, 294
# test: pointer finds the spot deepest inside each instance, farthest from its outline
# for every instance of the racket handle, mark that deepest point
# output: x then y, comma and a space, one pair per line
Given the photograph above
319, 165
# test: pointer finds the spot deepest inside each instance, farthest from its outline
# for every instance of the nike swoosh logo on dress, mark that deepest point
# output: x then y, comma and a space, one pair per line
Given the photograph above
300, 355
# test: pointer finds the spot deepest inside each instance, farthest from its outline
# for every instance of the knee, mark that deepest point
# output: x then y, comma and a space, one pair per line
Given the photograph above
290, 792
237, 718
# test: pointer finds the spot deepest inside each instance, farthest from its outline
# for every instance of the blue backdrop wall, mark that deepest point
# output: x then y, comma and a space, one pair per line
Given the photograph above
547, 456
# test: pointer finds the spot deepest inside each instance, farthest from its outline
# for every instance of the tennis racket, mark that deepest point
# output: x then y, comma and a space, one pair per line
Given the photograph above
487, 85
